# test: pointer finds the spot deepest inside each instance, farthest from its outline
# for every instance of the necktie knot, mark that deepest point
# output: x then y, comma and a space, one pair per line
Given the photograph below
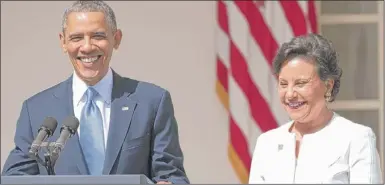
91, 94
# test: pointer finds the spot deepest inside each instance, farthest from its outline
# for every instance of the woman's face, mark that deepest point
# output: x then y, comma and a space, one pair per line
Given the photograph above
301, 91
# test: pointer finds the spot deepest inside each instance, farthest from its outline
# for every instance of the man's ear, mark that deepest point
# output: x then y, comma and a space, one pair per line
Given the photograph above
117, 38
63, 42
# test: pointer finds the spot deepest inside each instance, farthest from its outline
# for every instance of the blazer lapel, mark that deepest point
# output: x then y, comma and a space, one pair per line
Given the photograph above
64, 96
122, 110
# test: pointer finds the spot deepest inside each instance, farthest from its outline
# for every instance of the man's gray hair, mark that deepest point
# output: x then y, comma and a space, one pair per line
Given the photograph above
316, 48
91, 6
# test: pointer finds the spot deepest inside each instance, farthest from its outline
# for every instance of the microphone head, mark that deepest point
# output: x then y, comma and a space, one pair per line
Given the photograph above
72, 123
50, 124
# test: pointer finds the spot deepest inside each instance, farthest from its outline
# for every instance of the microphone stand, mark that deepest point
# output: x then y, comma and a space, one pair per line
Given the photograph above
48, 164
50, 157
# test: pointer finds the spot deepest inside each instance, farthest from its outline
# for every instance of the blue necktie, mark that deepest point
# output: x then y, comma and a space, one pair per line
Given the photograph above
91, 134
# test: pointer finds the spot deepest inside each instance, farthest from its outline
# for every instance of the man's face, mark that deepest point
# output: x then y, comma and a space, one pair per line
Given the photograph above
89, 42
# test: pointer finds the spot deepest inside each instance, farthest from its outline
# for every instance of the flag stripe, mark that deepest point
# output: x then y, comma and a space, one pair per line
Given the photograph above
260, 111
239, 108
258, 68
273, 13
312, 16
241, 39
222, 74
304, 9
222, 16
239, 144
237, 161
259, 30
240, 169
295, 17
223, 47
223, 95
265, 81
239, 29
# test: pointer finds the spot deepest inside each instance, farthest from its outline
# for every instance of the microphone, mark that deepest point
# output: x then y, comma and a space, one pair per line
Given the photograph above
46, 130
69, 128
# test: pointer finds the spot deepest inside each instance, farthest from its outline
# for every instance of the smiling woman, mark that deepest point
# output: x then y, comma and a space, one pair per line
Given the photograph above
318, 145
309, 77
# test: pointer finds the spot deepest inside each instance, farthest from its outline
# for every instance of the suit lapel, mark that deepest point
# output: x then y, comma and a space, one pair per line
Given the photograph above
122, 110
64, 96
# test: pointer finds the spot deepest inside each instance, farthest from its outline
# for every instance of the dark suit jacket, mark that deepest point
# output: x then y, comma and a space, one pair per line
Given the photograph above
141, 140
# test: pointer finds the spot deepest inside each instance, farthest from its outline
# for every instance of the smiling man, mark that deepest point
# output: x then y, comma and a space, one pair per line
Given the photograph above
126, 126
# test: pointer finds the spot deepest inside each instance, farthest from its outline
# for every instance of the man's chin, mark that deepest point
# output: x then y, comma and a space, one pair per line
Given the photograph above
89, 77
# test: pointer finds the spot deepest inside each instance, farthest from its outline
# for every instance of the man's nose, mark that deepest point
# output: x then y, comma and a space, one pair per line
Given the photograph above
87, 46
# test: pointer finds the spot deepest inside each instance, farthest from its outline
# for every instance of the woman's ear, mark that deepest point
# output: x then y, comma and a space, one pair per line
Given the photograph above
329, 88
329, 85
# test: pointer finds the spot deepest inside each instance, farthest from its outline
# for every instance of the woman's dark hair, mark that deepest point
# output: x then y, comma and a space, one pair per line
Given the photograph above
319, 50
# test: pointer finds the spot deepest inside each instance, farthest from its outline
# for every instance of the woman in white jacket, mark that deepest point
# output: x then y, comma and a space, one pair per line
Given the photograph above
318, 145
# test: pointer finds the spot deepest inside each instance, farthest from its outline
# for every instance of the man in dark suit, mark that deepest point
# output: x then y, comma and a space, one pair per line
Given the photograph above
126, 126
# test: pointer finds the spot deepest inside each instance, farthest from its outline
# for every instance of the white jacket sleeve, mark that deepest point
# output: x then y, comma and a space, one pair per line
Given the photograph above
364, 159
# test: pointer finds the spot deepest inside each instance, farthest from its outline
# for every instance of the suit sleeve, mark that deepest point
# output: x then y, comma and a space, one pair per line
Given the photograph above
167, 156
364, 159
256, 175
18, 162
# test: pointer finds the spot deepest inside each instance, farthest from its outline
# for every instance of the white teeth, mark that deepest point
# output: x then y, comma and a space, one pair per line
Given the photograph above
87, 60
295, 104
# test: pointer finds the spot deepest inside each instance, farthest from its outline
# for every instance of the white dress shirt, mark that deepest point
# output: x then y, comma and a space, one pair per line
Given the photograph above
103, 101
342, 152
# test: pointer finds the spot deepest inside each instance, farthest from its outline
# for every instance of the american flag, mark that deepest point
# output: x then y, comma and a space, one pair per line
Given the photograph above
248, 36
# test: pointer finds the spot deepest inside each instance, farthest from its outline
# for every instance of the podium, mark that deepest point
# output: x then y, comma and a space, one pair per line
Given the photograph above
76, 179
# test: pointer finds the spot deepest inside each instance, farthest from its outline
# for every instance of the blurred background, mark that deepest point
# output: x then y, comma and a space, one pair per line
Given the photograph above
185, 48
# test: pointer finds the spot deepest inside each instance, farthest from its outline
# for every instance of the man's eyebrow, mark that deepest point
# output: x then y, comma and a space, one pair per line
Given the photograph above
100, 33
80, 34
74, 34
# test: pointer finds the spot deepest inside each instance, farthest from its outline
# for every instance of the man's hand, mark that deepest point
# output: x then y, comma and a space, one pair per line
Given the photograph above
163, 182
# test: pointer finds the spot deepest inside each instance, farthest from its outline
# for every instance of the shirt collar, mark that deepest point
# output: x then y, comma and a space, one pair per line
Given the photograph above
103, 87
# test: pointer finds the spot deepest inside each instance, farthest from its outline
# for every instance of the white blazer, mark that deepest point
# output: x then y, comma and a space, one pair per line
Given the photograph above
342, 152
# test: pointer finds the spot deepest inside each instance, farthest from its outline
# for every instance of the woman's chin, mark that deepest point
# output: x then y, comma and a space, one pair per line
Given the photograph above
298, 116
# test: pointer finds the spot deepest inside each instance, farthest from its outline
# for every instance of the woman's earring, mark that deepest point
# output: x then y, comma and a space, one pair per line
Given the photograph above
328, 96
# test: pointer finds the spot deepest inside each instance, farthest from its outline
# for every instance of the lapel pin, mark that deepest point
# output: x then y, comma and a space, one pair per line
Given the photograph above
124, 108
280, 147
